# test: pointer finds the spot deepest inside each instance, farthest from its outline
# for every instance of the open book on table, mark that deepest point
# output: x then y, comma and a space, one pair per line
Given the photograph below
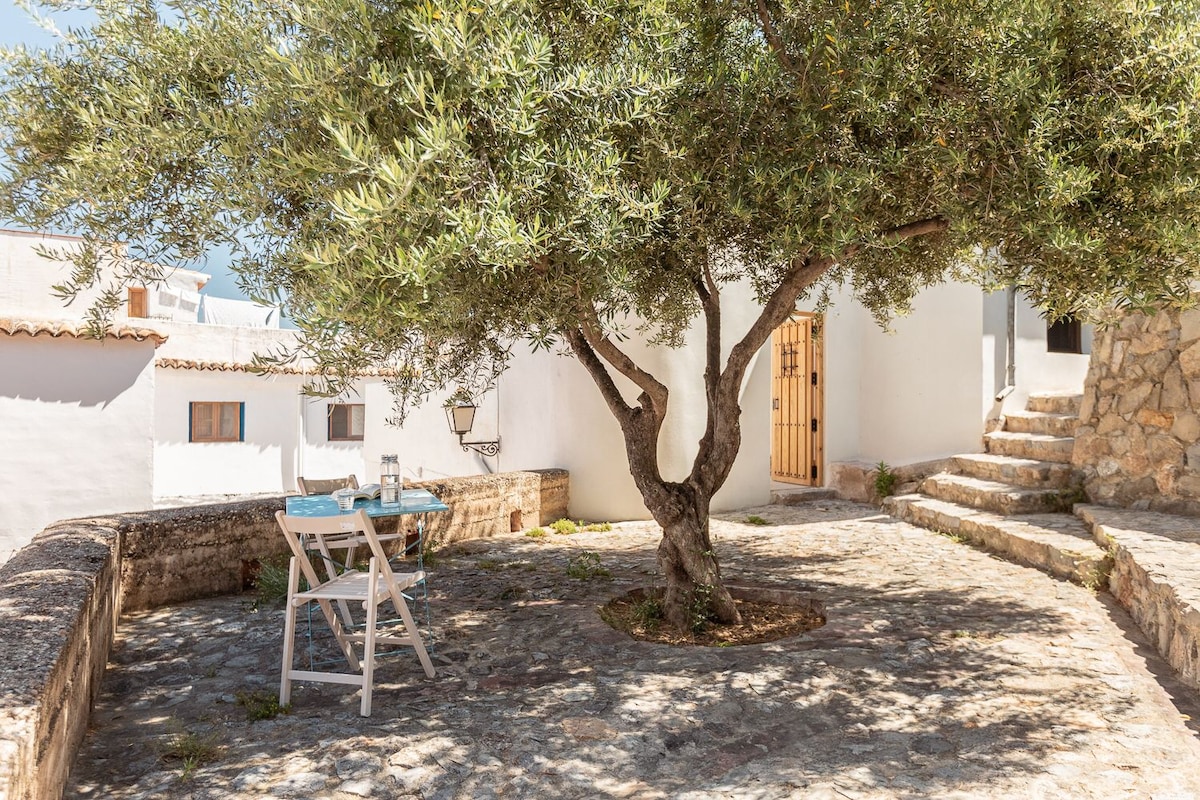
368, 491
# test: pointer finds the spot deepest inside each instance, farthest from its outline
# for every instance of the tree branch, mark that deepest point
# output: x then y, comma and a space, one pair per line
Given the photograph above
772, 37
654, 391
595, 367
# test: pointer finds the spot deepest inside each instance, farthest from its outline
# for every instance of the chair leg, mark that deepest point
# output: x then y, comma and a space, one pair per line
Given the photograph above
414, 633
289, 635
369, 641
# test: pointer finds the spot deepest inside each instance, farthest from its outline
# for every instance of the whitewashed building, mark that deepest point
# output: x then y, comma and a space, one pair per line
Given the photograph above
167, 407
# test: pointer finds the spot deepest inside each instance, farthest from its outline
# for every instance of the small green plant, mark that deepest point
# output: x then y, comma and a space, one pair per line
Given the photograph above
271, 581
647, 612
261, 705
535, 533
564, 527
699, 613
586, 566
885, 480
754, 519
489, 564
192, 751
597, 527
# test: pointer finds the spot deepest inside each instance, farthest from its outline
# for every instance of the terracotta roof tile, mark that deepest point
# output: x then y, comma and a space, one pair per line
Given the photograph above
76, 329
231, 366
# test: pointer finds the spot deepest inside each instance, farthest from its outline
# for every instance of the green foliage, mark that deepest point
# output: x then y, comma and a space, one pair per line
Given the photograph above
885, 480
700, 607
271, 581
535, 533
754, 519
648, 612
586, 566
192, 750
261, 705
564, 527
596, 527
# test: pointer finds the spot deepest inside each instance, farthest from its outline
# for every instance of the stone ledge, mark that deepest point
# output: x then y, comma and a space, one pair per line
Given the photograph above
1156, 576
62, 594
855, 480
988, 495
1055, 543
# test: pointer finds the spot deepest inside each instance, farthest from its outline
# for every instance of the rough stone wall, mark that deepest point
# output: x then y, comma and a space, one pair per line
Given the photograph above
855, 480
1138, 441
61, 597
59, 603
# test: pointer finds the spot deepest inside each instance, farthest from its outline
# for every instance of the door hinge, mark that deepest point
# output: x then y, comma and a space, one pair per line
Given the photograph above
814, 472
814, 424
814, 379
775, 404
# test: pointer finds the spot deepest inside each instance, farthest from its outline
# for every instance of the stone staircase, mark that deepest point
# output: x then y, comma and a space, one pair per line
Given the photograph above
1015, 499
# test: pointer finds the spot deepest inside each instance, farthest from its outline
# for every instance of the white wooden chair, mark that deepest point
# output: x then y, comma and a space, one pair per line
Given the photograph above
377, 585
309, 486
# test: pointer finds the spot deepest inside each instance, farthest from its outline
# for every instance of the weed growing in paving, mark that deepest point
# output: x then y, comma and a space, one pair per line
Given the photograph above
586, 566
596, 527
535, 533
512, 593
489, 564
193, 751
885, 480
564, 527
261, 705
754, 519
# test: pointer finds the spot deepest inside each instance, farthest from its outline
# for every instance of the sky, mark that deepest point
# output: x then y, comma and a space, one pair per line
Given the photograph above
17, 27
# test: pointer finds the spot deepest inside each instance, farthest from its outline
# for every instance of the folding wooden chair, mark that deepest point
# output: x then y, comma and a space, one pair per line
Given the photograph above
309, 486
377, 585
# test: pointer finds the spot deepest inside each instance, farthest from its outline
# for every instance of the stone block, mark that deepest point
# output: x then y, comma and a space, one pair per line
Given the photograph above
1155, 419
1189, 325
1186, 427
1174, 390
1189, 361
1134, 398
1192, 457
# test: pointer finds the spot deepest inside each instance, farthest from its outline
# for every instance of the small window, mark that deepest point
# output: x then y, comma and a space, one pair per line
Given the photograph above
217, 422
137, 303
346, 422
1064, 336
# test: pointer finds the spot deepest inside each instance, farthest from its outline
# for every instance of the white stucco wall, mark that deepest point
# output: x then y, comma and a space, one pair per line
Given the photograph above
76, 433
909, 394
265, 462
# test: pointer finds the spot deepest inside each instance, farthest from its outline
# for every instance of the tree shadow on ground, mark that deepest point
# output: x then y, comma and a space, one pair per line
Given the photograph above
918, 686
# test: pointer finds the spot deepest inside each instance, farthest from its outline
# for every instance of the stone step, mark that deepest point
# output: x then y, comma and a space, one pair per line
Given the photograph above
794, 495
1059, 544
1055, 403
1031, 445
1017, 471
1156, 576
1041, 423
1001, 498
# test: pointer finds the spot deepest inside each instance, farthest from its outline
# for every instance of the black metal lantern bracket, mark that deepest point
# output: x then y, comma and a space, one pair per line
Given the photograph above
461, 418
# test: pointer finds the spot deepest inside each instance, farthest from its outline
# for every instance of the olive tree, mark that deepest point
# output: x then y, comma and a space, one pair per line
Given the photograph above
426, 183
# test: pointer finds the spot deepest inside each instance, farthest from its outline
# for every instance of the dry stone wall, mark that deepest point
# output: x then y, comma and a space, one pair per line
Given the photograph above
1138, 441
61, 597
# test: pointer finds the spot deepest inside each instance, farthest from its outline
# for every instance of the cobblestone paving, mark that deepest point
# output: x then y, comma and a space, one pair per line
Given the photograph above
942, 673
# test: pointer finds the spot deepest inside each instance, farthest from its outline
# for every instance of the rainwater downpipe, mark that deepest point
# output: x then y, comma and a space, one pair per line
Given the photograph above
1010, 373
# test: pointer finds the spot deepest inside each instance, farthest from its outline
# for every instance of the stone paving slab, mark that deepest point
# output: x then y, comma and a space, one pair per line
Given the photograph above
1060, 544
1018, 471
943, 672
988, 495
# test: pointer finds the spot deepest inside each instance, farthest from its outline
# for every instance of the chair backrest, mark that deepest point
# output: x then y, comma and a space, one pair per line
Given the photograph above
309, 486
341, 532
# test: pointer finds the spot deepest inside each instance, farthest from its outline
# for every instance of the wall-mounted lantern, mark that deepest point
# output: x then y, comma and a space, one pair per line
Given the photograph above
461, 416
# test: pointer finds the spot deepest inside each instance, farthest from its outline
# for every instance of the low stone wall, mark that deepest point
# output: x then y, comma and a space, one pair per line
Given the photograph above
61, 596
1138, 440
855, 480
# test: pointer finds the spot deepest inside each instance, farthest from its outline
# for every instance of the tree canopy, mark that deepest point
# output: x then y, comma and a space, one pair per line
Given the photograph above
425, 183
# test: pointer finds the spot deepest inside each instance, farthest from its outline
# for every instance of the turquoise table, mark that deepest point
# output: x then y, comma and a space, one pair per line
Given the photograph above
412, 501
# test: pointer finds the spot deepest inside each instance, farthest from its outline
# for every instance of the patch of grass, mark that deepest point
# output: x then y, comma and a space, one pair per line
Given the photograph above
754, 519
1098, 579
885, 480
261, 705
596, 527
271, 581
564, 527
489, 564
647, 612
512, 593
586, 566
957, 538
535, 533
193, 751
